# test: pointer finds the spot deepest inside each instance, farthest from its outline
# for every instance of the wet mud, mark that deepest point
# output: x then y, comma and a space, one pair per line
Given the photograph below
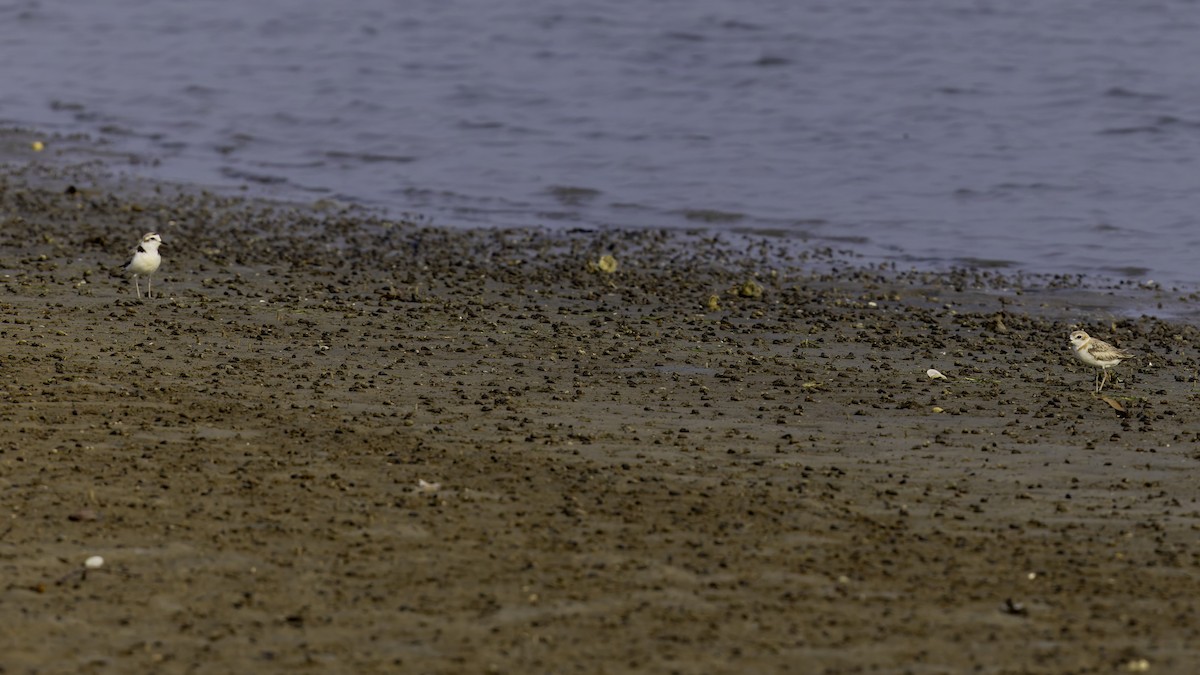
337, 443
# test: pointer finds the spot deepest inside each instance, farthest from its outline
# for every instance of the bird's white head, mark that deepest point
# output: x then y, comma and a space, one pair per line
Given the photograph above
1079, 339
151, 240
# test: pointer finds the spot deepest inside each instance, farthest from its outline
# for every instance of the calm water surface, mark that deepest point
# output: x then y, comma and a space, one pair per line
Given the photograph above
1042, 136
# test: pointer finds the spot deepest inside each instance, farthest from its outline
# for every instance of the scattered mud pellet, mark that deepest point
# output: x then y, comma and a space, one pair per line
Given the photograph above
1015, 608
750, 289
84, 516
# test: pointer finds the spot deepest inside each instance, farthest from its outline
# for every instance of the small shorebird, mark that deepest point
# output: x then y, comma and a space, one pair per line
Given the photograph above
1098, 354
145, 261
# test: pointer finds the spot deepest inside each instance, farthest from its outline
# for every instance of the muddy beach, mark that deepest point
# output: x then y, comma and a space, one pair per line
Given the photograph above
336, 443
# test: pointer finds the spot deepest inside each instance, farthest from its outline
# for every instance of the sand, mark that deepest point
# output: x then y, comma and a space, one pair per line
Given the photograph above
339, 443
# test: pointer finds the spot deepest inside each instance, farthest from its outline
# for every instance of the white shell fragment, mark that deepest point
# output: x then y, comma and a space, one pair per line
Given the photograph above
935, 374
94, 563
427, 488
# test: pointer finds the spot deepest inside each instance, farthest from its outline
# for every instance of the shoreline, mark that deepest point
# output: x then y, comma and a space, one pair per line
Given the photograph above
80, 158
366, 445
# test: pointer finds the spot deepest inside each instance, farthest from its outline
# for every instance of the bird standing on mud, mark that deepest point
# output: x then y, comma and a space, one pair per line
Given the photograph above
1098, 354
145, 261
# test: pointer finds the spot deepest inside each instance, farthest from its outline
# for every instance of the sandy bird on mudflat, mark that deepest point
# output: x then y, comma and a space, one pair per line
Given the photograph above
1098, 354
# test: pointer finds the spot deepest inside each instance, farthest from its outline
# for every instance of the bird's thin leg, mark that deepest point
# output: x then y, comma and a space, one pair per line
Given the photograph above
148, 293
137, 287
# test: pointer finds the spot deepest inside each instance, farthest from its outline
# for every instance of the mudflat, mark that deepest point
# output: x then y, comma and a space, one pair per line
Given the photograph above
338, 443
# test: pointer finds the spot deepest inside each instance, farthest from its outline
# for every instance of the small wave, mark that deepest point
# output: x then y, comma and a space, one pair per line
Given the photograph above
260, 178
370, 157
571, 195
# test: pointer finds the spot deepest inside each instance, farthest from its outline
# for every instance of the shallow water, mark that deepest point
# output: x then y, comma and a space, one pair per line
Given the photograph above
1049, 137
